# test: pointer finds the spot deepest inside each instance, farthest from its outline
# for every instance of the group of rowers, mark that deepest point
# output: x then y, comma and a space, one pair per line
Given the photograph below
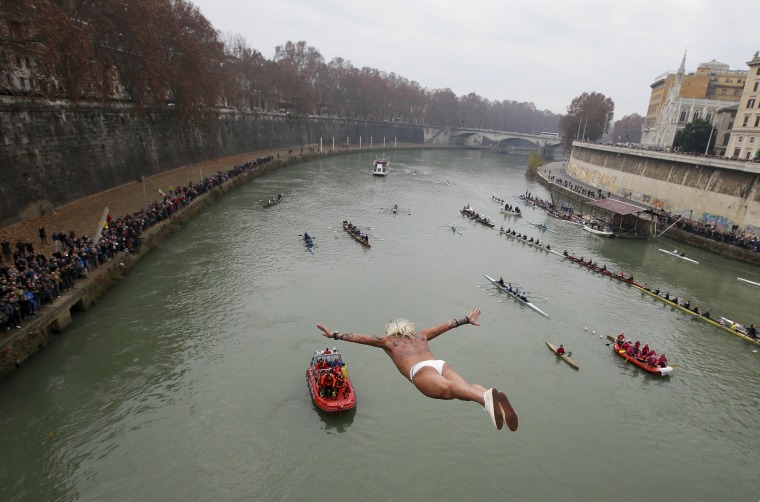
511, 208
643, 354
514, 291
470, 213
332, 378
511, 232
590, 263
355, 231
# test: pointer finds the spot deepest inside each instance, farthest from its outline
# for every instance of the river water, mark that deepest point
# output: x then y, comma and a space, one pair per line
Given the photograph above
186, 381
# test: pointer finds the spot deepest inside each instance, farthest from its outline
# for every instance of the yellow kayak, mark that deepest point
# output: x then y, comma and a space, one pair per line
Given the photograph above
563, 356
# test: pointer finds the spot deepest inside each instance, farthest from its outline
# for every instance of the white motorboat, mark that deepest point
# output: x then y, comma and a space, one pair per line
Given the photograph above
381, 167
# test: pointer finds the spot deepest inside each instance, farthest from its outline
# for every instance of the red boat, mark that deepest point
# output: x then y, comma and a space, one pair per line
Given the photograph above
596, 268
327, 400
666, 371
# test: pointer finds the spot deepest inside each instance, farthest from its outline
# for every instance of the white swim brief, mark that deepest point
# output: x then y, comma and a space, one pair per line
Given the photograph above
433, 363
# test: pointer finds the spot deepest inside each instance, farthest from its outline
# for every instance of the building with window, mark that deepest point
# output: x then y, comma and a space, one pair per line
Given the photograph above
744, 141
679, 98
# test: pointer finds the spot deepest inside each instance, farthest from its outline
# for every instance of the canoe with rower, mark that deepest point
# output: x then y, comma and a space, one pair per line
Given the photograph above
678, 255
564, 357
516, 296
454, 228
655, 370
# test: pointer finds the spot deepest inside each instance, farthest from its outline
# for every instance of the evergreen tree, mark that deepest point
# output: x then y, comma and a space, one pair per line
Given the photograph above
693, 138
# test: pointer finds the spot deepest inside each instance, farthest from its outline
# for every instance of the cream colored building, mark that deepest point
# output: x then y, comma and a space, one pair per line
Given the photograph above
678, 98
744, 141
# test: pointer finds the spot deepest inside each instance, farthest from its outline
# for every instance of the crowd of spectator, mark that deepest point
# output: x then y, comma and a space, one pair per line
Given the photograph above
731, 236
30, 280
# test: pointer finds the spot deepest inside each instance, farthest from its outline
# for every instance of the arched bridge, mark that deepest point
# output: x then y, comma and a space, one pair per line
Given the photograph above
501, 141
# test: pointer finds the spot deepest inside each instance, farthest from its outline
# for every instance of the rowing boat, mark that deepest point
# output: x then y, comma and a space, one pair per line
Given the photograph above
595, 267
542, 226
273, 201
655, 370
454, 228
748, 281
356, 237
701, 317
683, 257
526, 241
564, 357
308, 242
510, 213
471, 214
594, 231
514, 295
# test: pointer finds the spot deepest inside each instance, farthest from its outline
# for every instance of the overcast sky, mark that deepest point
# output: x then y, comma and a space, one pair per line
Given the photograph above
545, 52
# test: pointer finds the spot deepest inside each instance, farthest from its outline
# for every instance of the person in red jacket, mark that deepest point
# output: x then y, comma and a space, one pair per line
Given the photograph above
326, 383
561, 350
662, 362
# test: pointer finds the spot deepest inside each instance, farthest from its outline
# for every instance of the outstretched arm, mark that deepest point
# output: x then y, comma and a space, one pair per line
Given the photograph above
471, 318
375, 341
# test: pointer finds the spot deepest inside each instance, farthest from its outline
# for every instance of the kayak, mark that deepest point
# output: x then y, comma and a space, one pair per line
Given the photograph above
564, 357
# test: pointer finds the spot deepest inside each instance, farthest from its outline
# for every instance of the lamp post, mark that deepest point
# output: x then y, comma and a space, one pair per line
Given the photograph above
709, 138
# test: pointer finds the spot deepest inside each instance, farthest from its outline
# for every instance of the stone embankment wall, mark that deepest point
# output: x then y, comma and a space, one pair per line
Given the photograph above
711, 189
19, 345
55, 153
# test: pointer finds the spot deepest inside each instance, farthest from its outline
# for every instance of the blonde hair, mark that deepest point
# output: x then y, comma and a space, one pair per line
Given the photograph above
400, 327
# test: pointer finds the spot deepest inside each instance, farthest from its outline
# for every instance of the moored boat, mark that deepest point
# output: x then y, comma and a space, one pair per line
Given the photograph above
333, 399
655, 370
381, 167
357, 238
679, 255
516, 296
564, 357
603, 233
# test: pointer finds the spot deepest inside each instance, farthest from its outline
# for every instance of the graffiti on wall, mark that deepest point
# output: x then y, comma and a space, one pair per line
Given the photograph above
717, 220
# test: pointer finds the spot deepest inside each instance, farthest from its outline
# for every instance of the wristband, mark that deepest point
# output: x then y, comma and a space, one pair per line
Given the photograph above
335, 335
